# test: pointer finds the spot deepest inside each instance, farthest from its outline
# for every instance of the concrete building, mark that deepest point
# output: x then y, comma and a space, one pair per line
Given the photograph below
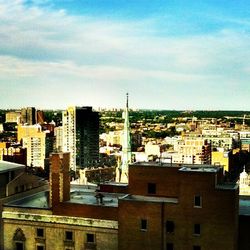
58, 138
13, 116
15, 182
28, 116
162, 207
81, 136
34, 140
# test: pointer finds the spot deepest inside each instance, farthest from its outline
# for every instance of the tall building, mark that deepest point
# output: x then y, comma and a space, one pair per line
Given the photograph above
28, 116
81, 136
122, 173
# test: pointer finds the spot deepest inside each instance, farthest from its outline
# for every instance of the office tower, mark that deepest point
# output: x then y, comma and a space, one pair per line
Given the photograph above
28, 116
122, 174
81, 136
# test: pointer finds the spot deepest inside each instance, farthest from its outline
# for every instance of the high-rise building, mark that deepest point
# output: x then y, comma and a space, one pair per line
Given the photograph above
28, 116
81, 136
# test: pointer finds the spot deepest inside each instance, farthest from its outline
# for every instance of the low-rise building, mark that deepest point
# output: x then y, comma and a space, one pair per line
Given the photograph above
164, 206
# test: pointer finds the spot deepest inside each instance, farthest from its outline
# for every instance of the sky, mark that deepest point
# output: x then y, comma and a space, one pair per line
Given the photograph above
167, 54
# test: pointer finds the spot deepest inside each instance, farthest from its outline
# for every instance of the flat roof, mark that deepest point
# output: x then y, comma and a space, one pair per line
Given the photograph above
155, 164
244, 205
227, 186
149, 199
38, 200
6, 166
78, 195
199, 168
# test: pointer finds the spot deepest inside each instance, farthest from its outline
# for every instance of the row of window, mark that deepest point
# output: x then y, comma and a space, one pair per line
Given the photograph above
197, 198
170, 227
90, 238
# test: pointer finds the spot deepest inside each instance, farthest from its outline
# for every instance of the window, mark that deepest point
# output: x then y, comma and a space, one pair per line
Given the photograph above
197, 229
196, 248
90, 238
197, 201
151, 188
40, 247
170, 246
40, 232
169, 226
19, 246
143, 225
69, 235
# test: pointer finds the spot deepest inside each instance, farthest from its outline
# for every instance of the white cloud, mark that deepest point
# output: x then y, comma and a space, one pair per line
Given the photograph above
47, 47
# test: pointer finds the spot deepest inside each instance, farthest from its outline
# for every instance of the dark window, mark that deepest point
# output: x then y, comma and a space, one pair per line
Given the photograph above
143, 224
151, 188
169, 226
90, 238
40, 232
40, 248
170, 246
69, 235
197, 201
197, 229
196, 248
19, 246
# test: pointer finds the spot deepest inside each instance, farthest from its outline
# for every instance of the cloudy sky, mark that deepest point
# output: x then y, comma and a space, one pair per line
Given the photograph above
168, 54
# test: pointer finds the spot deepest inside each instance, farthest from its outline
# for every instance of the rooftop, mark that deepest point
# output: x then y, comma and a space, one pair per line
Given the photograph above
200, 168
79, 194
244, 205
6, 166
149, 199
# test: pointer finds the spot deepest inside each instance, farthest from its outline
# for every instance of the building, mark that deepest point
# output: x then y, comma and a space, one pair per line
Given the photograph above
59, 139
15, 183
34, 140
163, 206
12, 117
81, 136
28, 116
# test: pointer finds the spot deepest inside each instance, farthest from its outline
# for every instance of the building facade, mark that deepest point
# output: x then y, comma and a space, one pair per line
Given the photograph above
81, 136
162, 207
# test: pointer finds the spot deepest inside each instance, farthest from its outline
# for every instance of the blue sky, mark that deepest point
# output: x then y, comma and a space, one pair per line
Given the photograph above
166, 54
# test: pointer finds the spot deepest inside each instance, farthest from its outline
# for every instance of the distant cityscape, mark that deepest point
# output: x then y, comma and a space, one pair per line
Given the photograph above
119, 179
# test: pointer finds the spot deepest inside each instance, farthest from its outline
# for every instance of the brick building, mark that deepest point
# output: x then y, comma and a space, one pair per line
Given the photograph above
165, 206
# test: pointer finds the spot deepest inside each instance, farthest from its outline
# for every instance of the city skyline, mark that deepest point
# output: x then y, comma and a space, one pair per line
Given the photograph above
167, 54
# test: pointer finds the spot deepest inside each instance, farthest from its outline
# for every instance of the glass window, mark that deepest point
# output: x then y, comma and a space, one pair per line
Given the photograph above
40, 232
151, 188
196, 248
197, 229
169, 226
69, 235
90, 238
19, 246
197, 201
143, 224
170, 246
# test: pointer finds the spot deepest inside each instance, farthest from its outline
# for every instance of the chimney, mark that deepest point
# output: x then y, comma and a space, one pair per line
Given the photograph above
59, 178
